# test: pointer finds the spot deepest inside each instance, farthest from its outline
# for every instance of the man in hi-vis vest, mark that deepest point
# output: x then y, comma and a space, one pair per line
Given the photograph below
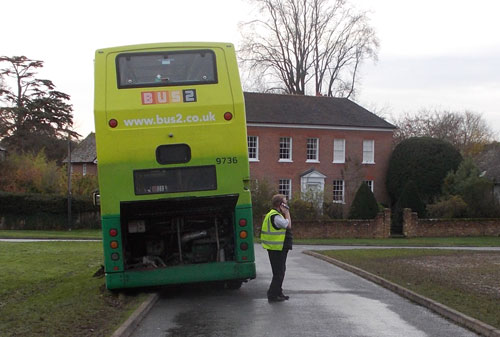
276, 237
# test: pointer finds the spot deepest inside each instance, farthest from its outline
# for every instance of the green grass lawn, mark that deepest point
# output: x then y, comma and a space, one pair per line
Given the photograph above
482, 241
48, 289
463, 280
53, 234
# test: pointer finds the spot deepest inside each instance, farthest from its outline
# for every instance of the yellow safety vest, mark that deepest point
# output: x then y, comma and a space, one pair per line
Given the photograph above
270, 237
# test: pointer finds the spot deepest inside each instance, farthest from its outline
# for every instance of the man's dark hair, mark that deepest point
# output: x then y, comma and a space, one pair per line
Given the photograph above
277, 200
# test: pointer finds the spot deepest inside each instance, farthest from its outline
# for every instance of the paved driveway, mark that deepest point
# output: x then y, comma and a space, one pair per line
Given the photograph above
325, 301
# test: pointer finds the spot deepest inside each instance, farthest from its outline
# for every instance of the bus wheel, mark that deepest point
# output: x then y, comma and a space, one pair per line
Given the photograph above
233, 285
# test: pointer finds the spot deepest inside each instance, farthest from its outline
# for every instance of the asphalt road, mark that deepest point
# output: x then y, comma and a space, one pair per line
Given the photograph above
324, 301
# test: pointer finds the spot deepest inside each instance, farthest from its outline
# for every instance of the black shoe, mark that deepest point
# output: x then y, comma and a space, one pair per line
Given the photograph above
276, 299
284, 296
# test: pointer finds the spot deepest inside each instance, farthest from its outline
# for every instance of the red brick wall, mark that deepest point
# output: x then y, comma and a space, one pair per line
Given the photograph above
415, 227
379, 228
353, 171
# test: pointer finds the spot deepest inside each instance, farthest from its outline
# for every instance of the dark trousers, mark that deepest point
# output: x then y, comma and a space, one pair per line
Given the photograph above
278, 265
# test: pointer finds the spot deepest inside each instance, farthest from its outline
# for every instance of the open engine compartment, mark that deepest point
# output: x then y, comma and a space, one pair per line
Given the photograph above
171, 232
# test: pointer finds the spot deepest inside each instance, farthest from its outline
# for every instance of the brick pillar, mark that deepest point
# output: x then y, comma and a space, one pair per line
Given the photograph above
410, 223
387, 222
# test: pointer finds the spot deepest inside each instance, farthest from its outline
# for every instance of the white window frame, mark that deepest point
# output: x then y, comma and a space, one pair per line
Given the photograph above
255, 145
84, 169
342, 191
370, 184
339, 148
285, 141
369, 151
312, 148
282, 184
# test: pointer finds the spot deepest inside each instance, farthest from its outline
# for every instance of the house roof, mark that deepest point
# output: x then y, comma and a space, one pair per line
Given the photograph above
310, 110
488, 161
85, 152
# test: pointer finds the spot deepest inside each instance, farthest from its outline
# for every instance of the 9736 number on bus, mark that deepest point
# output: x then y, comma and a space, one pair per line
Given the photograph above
226, 160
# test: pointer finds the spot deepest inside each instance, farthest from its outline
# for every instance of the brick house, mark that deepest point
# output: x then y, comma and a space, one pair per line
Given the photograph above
488, 161
304, 144
84, 158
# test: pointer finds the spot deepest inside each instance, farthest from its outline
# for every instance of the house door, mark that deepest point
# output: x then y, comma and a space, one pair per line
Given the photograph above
312, 190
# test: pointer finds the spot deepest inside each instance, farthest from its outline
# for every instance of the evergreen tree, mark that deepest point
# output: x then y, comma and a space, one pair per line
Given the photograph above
474, 189
33, 114
424, 160
364, 205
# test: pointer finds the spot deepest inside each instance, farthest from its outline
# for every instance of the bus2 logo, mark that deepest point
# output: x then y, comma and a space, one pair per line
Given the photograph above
165, 97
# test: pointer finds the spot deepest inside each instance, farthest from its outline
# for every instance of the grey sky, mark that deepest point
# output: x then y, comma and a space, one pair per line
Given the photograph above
434, 53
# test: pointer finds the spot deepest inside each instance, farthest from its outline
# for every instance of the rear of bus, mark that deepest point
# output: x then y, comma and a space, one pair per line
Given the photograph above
173, 165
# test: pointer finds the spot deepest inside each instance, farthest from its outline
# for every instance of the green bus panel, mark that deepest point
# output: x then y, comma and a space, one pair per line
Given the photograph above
204, 272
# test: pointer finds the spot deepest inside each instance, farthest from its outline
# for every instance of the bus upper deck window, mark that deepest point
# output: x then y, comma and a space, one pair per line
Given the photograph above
137, 70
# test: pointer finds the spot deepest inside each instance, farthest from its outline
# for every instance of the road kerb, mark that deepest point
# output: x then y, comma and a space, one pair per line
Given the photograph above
451, 314
126, 329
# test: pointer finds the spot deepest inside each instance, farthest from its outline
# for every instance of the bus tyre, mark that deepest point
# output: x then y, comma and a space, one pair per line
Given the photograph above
233, 285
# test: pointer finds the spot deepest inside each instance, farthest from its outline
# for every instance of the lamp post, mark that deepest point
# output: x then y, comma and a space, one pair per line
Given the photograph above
69, 180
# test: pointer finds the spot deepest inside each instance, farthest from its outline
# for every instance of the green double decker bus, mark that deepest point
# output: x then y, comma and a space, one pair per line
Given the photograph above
173, 165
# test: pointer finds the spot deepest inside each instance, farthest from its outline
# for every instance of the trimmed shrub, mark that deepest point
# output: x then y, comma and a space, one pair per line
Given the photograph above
424, 160
454, 207
364, 205
303, 209
333, 210
43, 211
16, 203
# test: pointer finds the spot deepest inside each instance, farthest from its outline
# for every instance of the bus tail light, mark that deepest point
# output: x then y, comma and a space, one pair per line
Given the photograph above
113, 123
113, 232
243, 222
228, 116
113, 244
115, 256
243, 234
244, 246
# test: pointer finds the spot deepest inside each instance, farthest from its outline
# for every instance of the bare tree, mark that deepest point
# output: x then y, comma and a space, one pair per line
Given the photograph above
306, 45
466, 130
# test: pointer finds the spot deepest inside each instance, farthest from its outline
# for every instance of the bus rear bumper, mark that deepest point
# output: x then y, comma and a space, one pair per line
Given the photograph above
206, 272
